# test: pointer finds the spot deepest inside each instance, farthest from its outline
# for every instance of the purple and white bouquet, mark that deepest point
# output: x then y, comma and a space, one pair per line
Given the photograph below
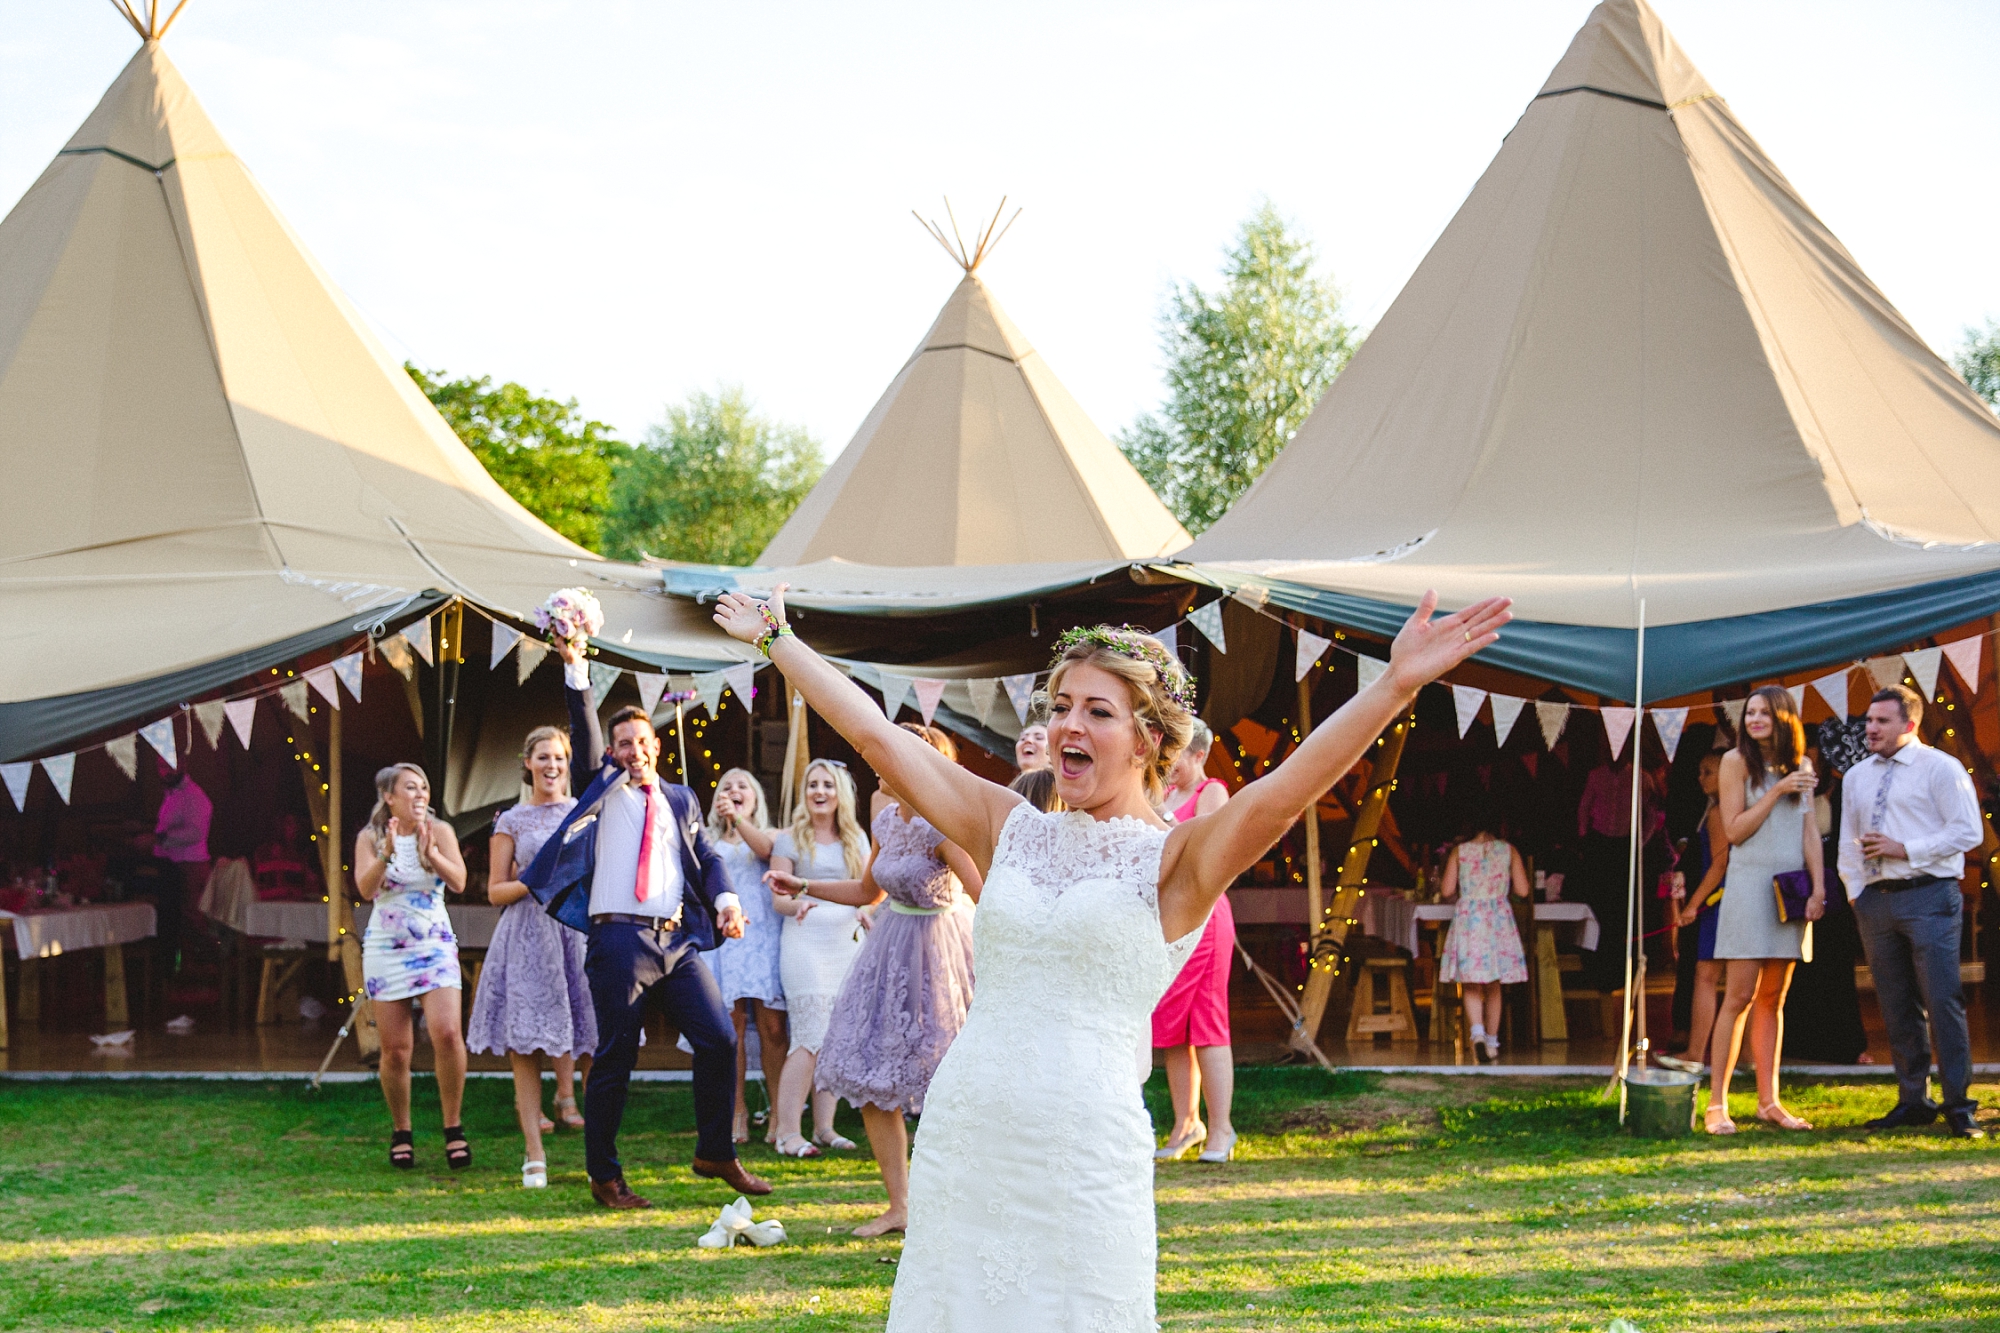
569, 615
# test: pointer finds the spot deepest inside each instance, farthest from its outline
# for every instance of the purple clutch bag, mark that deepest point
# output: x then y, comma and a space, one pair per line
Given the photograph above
1793, 888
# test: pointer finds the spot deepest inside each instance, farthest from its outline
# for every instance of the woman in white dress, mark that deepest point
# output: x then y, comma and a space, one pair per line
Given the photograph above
824, 850
746, 968
1031, 1186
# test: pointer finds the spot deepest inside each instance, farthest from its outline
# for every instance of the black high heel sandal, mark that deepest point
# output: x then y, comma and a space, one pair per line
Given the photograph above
459, 1157
402, 1150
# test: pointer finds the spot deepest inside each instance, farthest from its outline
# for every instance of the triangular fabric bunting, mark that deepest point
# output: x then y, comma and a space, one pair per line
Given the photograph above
985, 694
1170, 639
1368, 670
324, 683
1311, 646
1832, 687
1466, 700
1964, 658
895, 689
1733, 709
741, 680
1670, 723
294, 694
16, 777
504, 639
242, 714
1923, 664
602, 678
210, 716
1617, 726
652, 684
60, 768
1887, 671
707, 687
1208, 619
418, 633
1552, 718
527, 656
124, 752
348, 668
929, 692
1798, 693
1020, 693
396, 652
160, 735
1506, 712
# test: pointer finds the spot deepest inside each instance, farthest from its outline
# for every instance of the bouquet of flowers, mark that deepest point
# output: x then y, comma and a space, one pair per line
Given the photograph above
569, 615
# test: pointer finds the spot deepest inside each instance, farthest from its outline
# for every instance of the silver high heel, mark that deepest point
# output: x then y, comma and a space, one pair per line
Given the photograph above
1225, 1153
1169, 1153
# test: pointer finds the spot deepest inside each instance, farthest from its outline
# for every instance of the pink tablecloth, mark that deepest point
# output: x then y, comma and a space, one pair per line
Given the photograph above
61, 930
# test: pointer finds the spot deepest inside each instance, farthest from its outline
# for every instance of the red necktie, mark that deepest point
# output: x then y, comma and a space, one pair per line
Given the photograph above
642, 887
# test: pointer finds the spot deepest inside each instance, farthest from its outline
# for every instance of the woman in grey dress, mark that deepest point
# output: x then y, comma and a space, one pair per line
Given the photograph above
746, 969
1766, 796
533, 999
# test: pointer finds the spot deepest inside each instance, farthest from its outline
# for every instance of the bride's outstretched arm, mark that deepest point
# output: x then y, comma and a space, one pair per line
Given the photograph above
964, 807
1204, 856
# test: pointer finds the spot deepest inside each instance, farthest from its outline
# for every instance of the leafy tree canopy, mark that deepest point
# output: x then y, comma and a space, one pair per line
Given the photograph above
1245, 364
1979, 361
542, 451
713, 483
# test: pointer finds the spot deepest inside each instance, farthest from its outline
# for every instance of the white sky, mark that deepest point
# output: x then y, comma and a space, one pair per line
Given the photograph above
622, 201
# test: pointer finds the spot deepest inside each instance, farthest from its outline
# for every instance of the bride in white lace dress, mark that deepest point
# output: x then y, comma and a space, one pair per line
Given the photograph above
1031, 1183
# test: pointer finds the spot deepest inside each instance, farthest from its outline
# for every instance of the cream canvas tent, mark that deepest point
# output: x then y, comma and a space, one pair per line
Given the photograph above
211, 464
1636, 365
976, 455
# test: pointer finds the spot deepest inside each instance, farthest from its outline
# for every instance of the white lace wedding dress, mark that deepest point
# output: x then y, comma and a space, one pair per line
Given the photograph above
1031, 1184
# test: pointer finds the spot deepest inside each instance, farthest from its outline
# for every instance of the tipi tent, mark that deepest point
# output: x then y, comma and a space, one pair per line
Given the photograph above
211, 464
977, 455
1636, 365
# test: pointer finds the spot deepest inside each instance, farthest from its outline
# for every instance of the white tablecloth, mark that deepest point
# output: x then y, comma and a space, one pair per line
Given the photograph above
1388, 915
61, 930
1575, 914
473, 923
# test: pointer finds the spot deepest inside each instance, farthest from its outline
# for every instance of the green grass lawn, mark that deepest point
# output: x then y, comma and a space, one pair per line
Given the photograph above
1358, 1203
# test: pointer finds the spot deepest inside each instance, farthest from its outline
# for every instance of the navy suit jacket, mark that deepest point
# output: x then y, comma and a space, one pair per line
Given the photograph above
561, 874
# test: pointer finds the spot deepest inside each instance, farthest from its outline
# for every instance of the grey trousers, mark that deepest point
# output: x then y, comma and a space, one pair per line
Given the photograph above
1911, 939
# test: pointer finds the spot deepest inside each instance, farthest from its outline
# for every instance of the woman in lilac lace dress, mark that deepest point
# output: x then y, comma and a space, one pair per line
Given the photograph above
906, 996
533, 999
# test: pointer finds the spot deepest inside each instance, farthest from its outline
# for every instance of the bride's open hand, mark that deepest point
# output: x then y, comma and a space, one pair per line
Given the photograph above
738, 614
1425, 648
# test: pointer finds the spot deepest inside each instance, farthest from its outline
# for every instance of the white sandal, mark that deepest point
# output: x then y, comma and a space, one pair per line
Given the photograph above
835, 1141
534, 1175
796, 1145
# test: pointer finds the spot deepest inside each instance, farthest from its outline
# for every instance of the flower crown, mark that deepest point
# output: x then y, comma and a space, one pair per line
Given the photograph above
1139, 645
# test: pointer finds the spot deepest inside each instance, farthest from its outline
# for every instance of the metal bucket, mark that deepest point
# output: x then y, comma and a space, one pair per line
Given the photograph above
1659, 1103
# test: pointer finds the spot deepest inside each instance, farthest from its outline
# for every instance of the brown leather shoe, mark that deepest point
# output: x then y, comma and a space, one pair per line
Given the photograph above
617, 1194
732, 1174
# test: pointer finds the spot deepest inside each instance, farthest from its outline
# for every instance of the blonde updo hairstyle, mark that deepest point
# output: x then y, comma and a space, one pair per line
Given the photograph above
378, 818
560, 735
1163, 724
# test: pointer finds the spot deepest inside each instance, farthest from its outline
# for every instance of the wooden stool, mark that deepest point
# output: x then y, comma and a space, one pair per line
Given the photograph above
1365, 1021
280, 967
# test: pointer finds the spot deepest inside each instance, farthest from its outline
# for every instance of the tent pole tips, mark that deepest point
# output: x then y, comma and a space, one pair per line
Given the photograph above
152, 27
985, 241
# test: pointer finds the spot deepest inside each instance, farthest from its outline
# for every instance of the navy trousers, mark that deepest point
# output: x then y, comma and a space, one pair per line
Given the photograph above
627, 965
1911, 939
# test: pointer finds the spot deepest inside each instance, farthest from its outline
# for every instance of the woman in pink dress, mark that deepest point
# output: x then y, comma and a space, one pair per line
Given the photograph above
1482, 952
1192, 1020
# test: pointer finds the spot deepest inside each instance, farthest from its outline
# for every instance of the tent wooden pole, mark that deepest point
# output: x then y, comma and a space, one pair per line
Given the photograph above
1315, 909
329, 847
1635, 998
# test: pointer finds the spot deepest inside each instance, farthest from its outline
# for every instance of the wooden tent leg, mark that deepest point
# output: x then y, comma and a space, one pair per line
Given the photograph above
117, 1004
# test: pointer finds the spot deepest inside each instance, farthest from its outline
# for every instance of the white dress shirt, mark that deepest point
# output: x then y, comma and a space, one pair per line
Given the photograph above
1931, 809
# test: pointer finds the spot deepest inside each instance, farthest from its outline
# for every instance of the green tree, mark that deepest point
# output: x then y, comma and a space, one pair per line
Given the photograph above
542, 451
713, 483
1245, 364
1979, 361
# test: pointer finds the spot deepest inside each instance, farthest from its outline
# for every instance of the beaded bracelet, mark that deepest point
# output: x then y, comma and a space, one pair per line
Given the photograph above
772, 632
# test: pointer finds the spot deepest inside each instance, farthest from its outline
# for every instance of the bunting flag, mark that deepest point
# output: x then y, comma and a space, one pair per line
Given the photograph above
741, 680
60, 768
16, 777
160, 735
1832, 687
504, 639
1964, 658
1923, 664
242, 714
348, 668
707, 687
652, 684
418, 635
929, 692
895, 689
1208, 619
1552, 718
1506, 712
210, 716
1466, 700
527, 656
124, 752
602, 678
1368, 670
1170, 638
396, 652
324, 683
293, 692
1020, 693
1311, 646
1670, 723
985, 697
1798, 693
1734, 709
1887, 671
1617, 726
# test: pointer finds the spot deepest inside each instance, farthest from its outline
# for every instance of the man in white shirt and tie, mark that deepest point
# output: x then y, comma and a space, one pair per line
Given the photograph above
1908, 817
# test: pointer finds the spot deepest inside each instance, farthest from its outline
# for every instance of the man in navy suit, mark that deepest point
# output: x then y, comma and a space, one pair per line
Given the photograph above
632, 867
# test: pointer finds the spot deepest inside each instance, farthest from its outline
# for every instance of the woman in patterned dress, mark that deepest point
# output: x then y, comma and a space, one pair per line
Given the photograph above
403, 859
746, 968
1482, 952
533, 998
